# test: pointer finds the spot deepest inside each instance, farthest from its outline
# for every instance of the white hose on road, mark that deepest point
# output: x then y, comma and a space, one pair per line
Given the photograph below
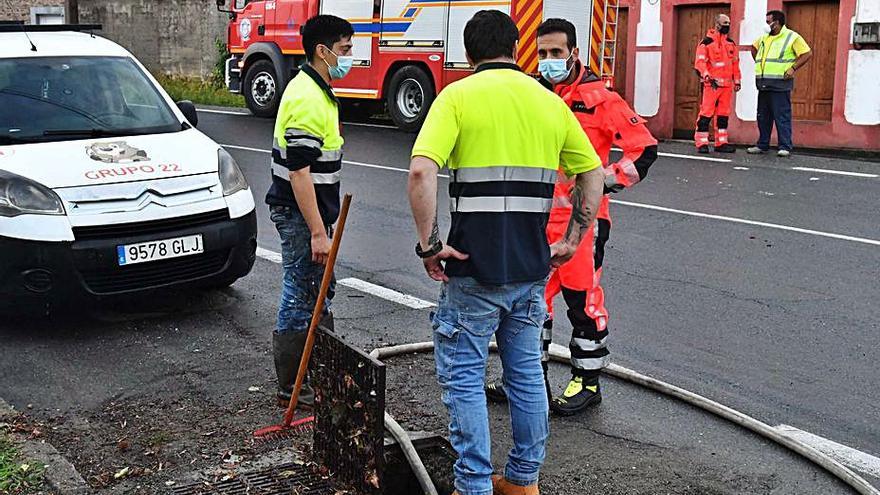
563, 355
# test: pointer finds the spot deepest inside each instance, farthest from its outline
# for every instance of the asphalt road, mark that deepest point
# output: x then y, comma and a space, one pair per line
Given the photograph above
780, 324
777, 319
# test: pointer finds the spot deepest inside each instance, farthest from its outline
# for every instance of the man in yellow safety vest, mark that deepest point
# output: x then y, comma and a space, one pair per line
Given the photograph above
778, 55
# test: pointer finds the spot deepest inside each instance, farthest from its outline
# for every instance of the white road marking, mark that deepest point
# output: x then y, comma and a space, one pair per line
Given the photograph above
873, 242
269, 255
246, 148
223, 112
246, 114
362, 285
687, 157
847, 456
384, 167
366, 124
385, 293
836, 172
745, 221
741, 168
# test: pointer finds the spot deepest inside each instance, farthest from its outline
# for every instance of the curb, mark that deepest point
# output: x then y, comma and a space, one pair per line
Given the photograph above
60, 475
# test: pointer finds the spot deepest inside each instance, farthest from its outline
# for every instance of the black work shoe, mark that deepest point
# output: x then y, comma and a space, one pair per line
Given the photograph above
495, 392
576, 398
725, 148
703, 150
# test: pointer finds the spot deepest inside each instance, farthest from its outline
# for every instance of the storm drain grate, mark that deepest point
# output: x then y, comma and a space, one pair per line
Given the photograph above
286, 479
349, 413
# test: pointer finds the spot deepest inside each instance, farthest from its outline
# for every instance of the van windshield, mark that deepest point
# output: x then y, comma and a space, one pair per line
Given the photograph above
62, 98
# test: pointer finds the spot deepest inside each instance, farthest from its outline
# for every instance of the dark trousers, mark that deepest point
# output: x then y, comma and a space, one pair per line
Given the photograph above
774, 107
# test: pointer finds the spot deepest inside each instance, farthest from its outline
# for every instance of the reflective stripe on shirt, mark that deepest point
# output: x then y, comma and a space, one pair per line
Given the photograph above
492, 174
500, 204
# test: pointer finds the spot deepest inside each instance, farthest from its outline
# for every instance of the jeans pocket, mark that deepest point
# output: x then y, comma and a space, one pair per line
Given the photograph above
446, 334
480, 325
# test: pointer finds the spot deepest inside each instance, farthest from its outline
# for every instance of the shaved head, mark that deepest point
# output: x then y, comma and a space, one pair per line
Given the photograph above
722, 20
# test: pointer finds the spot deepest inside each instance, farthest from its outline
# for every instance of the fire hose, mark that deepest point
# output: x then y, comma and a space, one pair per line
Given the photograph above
563, 355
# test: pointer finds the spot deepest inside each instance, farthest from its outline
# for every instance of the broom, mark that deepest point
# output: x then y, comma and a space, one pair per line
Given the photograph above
287, 422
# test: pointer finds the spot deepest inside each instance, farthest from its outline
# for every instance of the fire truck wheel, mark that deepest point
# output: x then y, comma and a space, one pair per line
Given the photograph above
410, 94
262, 89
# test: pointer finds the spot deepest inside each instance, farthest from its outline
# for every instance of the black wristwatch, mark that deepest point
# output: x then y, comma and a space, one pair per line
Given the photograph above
432, 251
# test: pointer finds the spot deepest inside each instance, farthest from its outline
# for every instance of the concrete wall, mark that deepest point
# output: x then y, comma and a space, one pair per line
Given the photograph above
20, 10
169, 36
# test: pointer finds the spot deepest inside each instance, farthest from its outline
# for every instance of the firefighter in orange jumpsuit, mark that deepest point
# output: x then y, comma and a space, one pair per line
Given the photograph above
607, 120
717, 63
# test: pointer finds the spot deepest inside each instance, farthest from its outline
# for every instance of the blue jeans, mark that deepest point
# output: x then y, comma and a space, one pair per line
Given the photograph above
302, 276
469, 313
774, 107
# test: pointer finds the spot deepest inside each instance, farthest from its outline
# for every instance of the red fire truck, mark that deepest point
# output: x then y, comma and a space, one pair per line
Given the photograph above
405, 50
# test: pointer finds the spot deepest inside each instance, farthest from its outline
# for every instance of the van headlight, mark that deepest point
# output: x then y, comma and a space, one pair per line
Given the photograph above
231, 177
21, 196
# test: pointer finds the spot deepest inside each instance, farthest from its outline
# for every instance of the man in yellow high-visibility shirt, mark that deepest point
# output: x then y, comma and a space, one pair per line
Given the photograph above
503, 138
778, 55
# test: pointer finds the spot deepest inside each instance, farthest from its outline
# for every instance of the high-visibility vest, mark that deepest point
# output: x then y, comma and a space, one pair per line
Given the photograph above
307, 135
775, 56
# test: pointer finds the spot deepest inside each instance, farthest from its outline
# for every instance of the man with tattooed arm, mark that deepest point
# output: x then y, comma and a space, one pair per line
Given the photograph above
503, 137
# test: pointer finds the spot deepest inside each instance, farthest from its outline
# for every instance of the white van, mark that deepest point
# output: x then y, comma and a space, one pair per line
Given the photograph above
106, 187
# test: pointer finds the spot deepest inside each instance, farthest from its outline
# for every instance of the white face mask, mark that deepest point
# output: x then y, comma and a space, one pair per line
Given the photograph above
767, 29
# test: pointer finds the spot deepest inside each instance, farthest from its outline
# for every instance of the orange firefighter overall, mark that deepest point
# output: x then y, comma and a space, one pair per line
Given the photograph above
607, 120
717, 62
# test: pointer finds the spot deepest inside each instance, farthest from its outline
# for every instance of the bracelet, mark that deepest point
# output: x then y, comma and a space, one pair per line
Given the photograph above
432, 251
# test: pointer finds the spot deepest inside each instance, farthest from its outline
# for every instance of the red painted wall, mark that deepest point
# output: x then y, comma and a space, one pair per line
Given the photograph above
837, 133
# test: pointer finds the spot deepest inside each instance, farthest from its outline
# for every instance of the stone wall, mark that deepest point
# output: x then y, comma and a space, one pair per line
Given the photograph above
20, 10
175, 37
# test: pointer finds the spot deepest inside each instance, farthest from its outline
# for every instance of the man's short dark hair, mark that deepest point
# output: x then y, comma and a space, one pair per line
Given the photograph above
324, 30
490, 34
551, 26
778, 16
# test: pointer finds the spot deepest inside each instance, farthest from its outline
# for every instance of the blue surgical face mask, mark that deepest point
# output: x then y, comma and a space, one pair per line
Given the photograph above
555, 70
343, 65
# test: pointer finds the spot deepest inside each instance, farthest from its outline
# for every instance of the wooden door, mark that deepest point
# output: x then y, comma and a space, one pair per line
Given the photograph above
620, 56
813, 93
693, 22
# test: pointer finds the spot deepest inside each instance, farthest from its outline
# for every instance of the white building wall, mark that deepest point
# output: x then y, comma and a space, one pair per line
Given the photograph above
649, 33
862, 104
750, 29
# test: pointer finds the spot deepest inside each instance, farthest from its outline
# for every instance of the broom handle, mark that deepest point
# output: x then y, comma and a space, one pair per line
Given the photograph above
319, 310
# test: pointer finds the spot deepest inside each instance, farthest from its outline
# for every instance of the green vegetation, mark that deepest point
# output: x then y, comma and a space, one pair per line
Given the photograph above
200, 92
17, 476
211, 91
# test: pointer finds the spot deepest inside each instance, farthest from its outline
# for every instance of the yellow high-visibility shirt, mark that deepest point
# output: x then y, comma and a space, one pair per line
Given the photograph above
504, 137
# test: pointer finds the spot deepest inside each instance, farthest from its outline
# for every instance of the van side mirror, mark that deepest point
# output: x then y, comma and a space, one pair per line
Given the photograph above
189, 111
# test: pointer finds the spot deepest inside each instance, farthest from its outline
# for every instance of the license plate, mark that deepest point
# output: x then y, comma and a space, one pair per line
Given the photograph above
159, 250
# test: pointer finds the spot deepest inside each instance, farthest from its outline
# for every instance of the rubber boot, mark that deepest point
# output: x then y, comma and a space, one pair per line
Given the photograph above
501, 486
287, 349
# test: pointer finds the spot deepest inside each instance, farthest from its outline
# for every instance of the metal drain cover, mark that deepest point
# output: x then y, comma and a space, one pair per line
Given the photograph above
286, 479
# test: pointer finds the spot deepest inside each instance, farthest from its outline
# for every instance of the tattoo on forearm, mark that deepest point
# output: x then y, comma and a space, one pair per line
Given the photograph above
580, 213
434, 238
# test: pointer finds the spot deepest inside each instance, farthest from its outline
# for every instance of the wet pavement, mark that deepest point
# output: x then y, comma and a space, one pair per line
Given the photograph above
747, 281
